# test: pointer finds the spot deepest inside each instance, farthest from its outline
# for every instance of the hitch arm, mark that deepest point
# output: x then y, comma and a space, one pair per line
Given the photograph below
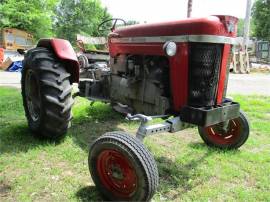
170, 125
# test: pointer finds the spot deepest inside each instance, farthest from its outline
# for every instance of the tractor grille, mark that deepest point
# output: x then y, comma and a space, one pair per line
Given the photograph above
204, 67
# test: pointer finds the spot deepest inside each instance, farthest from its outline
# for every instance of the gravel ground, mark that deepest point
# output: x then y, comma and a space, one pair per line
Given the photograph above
12, 79
249, 84
244, 84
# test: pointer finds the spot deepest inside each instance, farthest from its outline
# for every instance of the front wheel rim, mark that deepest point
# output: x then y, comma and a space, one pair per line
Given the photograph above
117, 173
231, 136
32, 94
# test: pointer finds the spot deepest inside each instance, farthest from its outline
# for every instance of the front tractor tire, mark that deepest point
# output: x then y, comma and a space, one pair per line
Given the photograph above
46, 92
122, 168
233, 137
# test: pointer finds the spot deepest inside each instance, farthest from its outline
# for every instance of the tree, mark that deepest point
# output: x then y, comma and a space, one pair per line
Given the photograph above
29, 15
240, 29
79, 17
261, 18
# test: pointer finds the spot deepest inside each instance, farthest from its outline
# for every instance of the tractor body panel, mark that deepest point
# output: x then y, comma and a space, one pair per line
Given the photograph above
212, 25
64, 51
198, 71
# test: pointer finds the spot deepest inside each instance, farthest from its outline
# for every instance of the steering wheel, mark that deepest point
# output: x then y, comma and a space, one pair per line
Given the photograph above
102, 28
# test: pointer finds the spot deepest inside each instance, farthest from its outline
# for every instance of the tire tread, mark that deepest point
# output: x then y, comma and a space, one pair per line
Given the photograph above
142, 154
55, 89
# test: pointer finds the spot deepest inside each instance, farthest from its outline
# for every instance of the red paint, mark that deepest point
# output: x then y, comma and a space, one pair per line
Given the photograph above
64, 51
117, 173
178, 66
224, 138
223, 71
1, 55
213, 25
143, 49
179, 76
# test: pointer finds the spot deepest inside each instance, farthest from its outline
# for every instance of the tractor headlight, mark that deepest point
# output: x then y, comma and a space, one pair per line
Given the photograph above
170, 48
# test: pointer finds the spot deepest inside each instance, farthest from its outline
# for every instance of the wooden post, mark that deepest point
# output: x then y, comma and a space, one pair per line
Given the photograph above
189, 9
244, 58
247, 25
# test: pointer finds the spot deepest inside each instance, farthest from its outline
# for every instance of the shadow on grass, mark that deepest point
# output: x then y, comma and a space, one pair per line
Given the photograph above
99, 120
184, 177
16, 138
172, 176
86, 129
178, 176
89, 193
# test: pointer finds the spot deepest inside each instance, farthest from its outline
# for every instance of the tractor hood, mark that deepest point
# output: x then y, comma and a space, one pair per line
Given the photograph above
213, 25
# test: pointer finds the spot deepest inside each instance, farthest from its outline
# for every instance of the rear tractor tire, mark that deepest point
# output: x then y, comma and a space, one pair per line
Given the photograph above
234, 137
46, 92
122, 168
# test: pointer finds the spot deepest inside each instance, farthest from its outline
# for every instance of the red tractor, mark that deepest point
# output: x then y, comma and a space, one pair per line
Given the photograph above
177, 71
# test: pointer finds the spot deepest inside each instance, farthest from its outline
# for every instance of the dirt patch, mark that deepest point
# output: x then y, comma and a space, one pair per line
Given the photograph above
260, 149
268, 115
4, 189
260, 69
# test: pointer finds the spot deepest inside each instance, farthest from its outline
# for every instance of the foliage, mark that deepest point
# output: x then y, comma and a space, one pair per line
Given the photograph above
240, 27
79, 16
47, 18
261, 16
30, 15
240, 30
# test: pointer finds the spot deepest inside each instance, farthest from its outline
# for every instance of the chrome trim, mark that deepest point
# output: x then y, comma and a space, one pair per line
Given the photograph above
177, 39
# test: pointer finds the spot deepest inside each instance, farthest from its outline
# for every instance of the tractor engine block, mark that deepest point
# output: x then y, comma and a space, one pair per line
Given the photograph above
141, 82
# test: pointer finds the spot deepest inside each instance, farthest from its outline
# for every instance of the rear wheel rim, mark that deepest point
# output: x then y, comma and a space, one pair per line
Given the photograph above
117, 173
32, 93
231, 136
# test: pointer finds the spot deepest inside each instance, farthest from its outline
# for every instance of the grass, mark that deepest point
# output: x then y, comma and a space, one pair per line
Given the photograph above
39, 170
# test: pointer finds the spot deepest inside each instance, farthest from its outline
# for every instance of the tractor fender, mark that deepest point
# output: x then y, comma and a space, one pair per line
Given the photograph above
64, 51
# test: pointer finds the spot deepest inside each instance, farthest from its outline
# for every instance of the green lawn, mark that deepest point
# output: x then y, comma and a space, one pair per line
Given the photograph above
38, 170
